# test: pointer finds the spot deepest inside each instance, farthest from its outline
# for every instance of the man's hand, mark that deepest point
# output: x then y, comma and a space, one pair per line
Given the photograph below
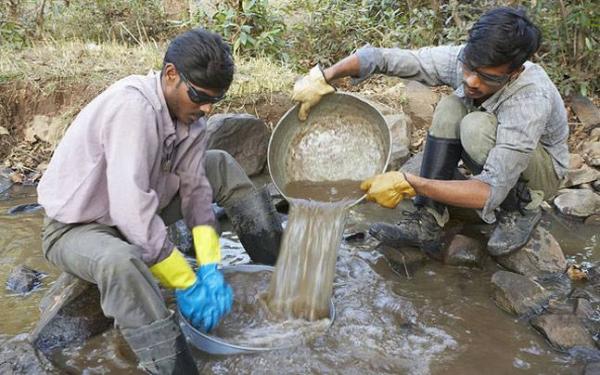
309, 90
388, 189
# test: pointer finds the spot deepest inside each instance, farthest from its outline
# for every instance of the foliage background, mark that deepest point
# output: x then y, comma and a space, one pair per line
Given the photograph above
300, 33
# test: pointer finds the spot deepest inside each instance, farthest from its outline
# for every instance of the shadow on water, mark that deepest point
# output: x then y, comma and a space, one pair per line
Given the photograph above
431, 319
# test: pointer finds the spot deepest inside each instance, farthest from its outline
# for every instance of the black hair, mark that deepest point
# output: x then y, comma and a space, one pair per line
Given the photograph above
203, 58
502, 35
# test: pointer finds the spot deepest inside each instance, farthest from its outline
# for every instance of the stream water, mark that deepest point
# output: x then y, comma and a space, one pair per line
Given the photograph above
434, 320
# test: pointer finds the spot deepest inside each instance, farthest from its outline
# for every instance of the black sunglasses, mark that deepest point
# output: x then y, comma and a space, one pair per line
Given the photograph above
488, 79
199, 97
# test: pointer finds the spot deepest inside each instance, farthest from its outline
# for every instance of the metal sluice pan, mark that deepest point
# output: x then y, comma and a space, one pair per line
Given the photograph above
215, 345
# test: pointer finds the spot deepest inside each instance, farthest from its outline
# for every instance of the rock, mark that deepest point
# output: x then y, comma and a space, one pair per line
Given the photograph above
18, 356
70, 313
541, 254
420, 102
583, 308
518, 294
24, 208
413, 165
404, 261
464, 251
596, 185
564, 331
578, 202
591, 152
23, 279
243, 136
592, 220
400, 130
582, 175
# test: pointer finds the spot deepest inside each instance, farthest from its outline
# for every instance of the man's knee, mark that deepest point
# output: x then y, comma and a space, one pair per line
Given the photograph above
218, 158
478, 135
447, 117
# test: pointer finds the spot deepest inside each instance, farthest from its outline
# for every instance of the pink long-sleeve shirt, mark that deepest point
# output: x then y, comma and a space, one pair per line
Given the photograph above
122, 160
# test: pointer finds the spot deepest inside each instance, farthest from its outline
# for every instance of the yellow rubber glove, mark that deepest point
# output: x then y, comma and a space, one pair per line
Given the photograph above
174, 271
388, 189
206, 242
309, 90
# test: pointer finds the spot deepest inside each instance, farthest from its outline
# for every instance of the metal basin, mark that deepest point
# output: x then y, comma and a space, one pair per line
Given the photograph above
215, 345
344, 138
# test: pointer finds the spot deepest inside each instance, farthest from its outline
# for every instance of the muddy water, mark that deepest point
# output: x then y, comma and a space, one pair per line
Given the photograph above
302, 284
439, 320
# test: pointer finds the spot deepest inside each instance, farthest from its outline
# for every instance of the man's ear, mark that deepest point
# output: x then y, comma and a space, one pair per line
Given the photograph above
170, 72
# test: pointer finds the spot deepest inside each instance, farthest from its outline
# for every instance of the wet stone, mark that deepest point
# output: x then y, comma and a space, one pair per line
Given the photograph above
181, 236
243, 136
564, 331
5, 183
23, 279
24, 209
70, 313
464, 251
540, 255
596, 185
578, 202
518, 294
404, 261
581, 175
18, 356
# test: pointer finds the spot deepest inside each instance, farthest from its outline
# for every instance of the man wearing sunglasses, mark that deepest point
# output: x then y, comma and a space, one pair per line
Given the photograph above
134, 161
505, 120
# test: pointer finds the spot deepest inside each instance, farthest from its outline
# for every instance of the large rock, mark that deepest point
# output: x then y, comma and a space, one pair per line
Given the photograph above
564, 331
420, 102
578, 202
70, 313
400, 130
518, 294
464, 251
18, 356
540, 255
23, 279
243, 136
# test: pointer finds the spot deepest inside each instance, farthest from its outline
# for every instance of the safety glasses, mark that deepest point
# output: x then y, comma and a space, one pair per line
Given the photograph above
488, 79
199, 97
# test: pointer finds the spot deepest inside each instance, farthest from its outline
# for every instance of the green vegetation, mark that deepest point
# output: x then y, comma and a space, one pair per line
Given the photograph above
303, 32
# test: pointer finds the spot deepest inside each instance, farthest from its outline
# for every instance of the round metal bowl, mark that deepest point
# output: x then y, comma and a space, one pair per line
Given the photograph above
215, 345
344, 138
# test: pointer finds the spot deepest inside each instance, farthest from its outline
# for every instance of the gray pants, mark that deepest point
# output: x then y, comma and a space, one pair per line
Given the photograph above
101, 255
477, 133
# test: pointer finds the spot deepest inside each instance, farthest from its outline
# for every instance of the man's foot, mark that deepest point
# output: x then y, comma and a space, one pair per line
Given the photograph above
513, 231
418, 228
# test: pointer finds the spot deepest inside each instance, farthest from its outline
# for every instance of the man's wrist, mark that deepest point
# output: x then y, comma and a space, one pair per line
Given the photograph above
415, 181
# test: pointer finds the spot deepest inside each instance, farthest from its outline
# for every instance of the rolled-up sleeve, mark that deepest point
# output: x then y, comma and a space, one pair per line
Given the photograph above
130, 150
432, 66
521, 122
195, 190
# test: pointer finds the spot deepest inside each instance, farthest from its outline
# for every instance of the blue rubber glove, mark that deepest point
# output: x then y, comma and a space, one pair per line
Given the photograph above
207, 300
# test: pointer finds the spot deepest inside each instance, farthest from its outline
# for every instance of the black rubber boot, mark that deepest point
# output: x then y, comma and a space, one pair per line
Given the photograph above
516, 224
419, 228
161, 348
257, 225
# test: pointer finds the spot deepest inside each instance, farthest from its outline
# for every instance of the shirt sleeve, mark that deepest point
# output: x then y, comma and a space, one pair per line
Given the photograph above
131, 142
521, 121
433, 66
195, 190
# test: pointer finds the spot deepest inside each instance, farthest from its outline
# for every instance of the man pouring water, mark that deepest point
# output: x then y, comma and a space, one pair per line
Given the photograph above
505, 120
